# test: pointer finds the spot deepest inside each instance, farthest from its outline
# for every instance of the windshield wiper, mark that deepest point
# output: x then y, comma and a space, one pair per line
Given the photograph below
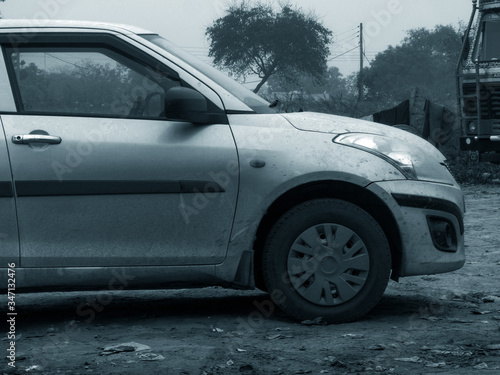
274, 104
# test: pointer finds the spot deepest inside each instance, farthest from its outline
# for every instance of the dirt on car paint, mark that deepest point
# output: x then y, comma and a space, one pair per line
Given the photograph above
437, 324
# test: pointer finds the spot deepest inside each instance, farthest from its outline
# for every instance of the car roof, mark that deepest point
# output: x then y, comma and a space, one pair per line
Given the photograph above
25, 25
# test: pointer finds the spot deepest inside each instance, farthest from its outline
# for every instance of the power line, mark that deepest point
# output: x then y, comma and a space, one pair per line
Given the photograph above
353, 55
369, 62
342, 54
252, 81
348, 42
352, 36
66, 62
347, 31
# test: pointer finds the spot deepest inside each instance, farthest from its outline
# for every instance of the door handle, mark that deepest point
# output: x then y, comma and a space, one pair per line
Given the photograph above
35, 138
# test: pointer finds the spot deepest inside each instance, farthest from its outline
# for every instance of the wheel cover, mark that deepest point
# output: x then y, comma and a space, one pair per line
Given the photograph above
328, 264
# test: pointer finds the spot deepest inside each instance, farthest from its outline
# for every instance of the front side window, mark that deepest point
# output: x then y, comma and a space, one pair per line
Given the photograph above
252, 100
87, 82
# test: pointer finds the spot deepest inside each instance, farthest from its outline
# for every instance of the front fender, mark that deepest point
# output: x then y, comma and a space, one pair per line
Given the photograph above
274, 157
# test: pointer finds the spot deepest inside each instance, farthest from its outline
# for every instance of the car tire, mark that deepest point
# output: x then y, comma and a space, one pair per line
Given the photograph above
326, 258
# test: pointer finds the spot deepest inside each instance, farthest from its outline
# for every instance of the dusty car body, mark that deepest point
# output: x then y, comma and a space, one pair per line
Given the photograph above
127, 163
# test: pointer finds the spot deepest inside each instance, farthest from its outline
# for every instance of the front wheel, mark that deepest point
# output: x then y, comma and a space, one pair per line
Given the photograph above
326, 258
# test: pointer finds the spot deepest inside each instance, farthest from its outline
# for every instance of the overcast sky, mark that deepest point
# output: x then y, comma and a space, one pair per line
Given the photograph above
184, 22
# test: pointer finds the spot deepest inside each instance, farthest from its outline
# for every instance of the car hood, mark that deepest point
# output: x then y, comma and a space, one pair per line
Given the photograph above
324, 123
332, 124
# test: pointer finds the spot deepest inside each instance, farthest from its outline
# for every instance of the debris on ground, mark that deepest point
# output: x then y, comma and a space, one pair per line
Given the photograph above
125, 347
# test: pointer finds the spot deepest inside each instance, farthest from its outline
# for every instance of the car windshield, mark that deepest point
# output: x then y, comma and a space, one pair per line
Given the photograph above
489, 48
252, 100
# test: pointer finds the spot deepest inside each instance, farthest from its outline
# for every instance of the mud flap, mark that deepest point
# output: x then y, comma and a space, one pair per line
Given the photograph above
244, 277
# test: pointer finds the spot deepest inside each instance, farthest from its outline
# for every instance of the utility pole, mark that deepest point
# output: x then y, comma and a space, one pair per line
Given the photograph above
360, 77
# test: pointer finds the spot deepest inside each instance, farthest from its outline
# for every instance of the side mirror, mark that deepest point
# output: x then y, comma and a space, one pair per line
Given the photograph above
185, 104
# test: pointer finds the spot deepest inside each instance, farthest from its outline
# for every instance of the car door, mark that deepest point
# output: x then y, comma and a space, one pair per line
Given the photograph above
101, 176
9, 238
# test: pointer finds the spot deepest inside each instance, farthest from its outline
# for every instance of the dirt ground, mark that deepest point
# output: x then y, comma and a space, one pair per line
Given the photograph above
440, 324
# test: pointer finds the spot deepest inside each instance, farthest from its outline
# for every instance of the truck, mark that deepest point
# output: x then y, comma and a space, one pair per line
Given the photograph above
478, 83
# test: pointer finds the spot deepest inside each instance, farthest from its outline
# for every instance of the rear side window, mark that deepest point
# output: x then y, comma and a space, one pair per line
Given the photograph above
87, 81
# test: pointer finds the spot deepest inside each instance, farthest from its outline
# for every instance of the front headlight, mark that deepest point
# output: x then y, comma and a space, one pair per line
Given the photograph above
384, 147
413, 156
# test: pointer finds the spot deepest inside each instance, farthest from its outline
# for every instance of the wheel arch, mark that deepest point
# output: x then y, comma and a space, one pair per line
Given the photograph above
347, 191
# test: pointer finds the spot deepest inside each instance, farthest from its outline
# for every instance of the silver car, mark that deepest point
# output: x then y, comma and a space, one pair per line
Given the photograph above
127, 163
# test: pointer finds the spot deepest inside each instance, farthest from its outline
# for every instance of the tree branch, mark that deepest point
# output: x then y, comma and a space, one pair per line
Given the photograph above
268, 74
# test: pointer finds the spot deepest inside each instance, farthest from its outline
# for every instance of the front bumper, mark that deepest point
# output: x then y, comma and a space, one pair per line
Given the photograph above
430, 222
